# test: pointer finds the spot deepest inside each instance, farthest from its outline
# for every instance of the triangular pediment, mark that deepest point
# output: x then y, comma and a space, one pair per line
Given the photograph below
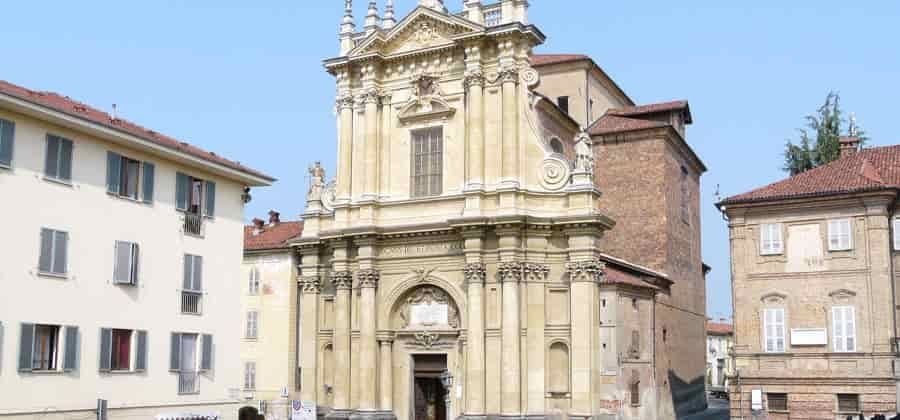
424, 28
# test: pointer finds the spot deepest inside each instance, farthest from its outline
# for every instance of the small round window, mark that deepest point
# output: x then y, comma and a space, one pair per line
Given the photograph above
556, 145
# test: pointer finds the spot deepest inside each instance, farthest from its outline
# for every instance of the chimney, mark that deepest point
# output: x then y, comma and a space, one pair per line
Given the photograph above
258, 225
849, 145
274, 217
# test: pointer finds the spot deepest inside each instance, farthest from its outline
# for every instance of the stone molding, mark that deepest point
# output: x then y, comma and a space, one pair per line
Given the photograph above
474, 78
509, 74
310, 285
475, 273
511, 271
342, 280
586, 271
345, 101
536, 272
368, 278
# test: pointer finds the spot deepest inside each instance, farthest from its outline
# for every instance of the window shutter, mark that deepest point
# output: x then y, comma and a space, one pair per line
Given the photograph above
149, 173
188, 271
207, 352
210, 209
51, 168
46, 258
175, 353
850, 328
113, 172
60, 248
837, 319
133, 274
897, 234
105, 349
182, 186
7, 132
140, 362
198, 273
121, 270
65, 159
26, 346
70, 361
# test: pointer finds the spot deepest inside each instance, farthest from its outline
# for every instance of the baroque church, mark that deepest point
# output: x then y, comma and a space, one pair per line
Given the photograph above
508, 233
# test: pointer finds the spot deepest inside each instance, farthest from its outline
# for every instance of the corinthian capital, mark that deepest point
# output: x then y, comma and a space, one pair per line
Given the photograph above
342, 279
345, 101
372, 96
509, 74
368, 278
536, 272
474, 78
511, 271
475, 273
585, 271
310, 285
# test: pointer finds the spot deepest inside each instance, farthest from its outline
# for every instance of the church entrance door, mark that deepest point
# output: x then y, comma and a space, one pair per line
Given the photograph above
429, 395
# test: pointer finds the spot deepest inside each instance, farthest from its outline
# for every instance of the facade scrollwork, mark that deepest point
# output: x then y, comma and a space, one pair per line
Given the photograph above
372, 96
586, 271
342, 279
345, 101
368, 278
511, 271
426, 339
475, 273
310, 284
531, 77
509, 74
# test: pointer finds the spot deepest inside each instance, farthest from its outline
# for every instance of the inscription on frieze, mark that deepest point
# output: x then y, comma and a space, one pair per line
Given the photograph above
442, 248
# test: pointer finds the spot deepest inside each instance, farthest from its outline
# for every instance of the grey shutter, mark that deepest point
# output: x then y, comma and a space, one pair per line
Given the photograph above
51, 167
210, 209
198, 273
135, 253
175, 355
182, 188
149, 171
60, 249
122, 268
188, 271
113, 172
140, 362
105, 349
46, 258
7, 133
207, 352
65, 159
70, 360
26, 346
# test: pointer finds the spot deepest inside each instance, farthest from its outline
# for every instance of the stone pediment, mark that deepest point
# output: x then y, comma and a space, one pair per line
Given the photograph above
423, 29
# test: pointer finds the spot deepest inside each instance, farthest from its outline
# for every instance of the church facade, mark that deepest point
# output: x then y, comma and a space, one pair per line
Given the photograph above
508, 234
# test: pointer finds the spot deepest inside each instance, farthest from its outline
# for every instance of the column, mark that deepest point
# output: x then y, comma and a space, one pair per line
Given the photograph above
475, 274
536, 272
474, 83
345, 146
386, 371
367, 280
509, 76
511, 338
372, 100
311, 287
343, 282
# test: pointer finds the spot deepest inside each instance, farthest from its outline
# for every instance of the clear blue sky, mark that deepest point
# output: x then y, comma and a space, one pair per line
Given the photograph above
244, 78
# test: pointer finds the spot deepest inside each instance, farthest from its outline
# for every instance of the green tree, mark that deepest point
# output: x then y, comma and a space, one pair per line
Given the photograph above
825, 125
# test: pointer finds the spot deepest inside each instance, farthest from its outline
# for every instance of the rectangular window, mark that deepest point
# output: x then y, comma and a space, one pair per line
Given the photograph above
770, 241
120, 357
254, 281
896, 234
250, 376
252, 324
843, 328
54, 252
125, 270
839, 236
428, 162
195, 196
563, 103
773, 324
183, 359
129, 178
493, 17
848, 403
58, 162
7, 133
193, 273
777, 402
46, 347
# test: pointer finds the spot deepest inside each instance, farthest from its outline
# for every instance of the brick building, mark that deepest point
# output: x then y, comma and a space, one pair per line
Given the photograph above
813, 279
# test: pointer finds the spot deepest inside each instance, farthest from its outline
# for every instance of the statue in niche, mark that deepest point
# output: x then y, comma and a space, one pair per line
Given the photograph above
428, 295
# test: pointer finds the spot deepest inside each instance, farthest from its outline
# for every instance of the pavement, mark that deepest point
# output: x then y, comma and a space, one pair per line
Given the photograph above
717, 410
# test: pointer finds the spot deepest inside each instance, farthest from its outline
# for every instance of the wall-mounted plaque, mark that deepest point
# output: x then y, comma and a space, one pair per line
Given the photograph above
429, 314
809, 337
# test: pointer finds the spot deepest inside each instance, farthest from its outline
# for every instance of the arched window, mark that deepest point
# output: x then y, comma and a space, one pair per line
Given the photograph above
559, 368
556, 145
253, 288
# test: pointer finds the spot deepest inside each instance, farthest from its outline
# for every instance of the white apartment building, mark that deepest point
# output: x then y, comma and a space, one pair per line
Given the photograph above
120, 266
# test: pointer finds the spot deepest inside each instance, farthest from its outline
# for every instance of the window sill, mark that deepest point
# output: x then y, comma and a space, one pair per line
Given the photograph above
60, 276
128, 199
779, 411
59, 181
44, 372
8, 167
120, 372
251, 338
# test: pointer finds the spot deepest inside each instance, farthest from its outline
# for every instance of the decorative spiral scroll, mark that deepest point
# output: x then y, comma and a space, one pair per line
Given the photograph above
530, 77
554, 173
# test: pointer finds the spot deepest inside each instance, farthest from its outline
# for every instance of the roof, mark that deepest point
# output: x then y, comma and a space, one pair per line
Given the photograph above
271, 236
71, 107
873, 169
631, 118
620, 271
718, 328
549, 59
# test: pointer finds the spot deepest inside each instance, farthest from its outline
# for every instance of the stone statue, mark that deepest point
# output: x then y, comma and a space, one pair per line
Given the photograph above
584, 156
316, 182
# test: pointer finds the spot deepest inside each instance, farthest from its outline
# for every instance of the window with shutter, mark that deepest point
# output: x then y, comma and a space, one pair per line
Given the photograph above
45, 348
70, 357
105, 363
254, 281
26, 346
58, 160
896, 234
777, 402
193, 273
252, 324
140, 358
54, 249
206, 355
427, 162
7, 134
774, 330
843, 327
250, 376
126, 263
839, 235
210, 207
175, 352
770, 239
149, 172
182, 185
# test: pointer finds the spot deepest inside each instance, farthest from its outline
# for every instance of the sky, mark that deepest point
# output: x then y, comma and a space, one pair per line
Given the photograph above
245, 78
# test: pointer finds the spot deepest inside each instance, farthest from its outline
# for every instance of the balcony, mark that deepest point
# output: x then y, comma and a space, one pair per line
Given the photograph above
190, 302
188, 382
193, 224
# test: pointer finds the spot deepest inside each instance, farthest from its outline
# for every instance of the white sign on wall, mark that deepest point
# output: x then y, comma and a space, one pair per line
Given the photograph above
429, 314
303, 410
809, 337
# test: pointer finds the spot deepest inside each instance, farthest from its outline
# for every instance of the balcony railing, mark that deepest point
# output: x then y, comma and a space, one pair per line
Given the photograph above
193, 224
188, 382
191, 302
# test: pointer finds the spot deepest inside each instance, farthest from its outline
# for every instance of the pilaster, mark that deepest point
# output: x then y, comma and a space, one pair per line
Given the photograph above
342, 279
367, 280
511, 274
475, 274
310, 284
345, 138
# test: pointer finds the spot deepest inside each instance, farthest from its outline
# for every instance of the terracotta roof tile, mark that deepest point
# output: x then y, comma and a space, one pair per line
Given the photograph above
271, 237
608, 124
717, 328
69, 106
867, 170
680, 105
616, 275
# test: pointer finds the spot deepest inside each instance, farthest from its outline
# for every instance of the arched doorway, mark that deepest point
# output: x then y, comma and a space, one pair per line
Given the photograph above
248, 413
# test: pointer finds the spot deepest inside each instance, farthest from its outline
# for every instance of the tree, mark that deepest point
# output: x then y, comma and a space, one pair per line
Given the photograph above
826, 126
